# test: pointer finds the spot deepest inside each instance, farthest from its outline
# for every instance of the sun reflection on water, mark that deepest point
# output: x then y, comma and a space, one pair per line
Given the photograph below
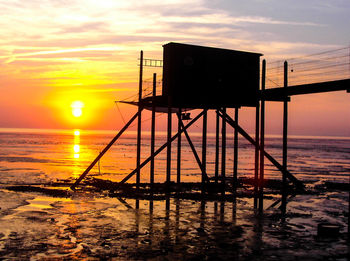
76, 153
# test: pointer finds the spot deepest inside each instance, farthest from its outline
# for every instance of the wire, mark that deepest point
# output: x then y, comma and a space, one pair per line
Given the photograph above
120, 113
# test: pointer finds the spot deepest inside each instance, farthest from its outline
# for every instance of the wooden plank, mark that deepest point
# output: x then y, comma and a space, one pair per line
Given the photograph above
281, 93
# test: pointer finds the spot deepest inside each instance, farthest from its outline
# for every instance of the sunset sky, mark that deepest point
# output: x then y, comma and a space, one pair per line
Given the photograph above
57, 52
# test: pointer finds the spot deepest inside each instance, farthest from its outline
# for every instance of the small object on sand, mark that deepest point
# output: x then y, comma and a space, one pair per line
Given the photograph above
328, 230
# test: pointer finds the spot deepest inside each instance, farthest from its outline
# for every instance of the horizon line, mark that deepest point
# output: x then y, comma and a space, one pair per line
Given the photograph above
164, 132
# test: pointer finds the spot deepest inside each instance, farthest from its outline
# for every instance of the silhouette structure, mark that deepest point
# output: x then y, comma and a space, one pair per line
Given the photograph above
206, 78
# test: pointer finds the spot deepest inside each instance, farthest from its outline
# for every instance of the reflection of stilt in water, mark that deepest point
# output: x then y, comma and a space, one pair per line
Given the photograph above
177, 220
151, 220
166, 243
137, 215
258, 232
202, 218
234, 210
99, 166
215, 210
222, 211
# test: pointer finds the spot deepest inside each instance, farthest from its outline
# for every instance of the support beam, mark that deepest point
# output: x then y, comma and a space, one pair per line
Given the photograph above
139, 121
178, 174
223, 154
153, 128
262, 138
168, 151
256, 167
204, 148
231, 122
285, 136
217, 147
200, 164
82, 176
235, 154
162, 147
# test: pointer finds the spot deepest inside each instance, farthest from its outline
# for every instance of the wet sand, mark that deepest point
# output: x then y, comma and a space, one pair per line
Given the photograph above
93, 226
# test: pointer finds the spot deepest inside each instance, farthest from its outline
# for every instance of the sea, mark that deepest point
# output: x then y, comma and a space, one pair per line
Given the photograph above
94, 225
34, 156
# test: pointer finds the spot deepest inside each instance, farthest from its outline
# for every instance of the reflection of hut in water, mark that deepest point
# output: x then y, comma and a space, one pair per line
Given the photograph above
212, 79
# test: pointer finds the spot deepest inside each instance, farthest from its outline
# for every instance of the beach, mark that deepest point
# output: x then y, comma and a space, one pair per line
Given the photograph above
94, 225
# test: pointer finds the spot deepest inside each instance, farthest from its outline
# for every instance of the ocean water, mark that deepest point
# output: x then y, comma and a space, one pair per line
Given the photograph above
96, 226
41, 156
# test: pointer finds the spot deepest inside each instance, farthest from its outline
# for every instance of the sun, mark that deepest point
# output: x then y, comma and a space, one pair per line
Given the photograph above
77, 108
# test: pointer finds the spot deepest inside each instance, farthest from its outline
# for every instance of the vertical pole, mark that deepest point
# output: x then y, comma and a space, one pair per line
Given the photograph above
223, 153
178, 177
285, 133
262, 138
153, 127
204, 148
256, 169
138, 149
168, 157
235, 153
217, 147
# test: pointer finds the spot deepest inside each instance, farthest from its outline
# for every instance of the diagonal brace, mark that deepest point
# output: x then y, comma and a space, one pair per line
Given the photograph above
162, 147
289, 175
82, 176
204, 174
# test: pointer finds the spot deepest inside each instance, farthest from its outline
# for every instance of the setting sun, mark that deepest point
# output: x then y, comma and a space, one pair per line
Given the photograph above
77, 107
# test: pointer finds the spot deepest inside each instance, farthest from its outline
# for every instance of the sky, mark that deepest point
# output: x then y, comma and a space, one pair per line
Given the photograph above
55, 53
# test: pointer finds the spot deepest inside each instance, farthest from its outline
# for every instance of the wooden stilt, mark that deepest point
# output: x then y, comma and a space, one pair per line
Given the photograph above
217, 147
285, 133
256, 167
235, 154
204, 149
138, 149
178, 176
223, 154
262, 140
153, 129
168, 154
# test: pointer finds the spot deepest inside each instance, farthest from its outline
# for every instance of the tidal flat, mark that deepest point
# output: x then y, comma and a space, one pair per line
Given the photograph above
93, 226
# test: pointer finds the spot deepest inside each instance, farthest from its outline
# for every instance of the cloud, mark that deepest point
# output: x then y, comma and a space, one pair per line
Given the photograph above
225, 19
85, 27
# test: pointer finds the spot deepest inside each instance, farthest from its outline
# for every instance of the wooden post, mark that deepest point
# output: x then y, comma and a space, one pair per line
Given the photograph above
262, 138
256, 168
217, 147
138, 149
235, 154
168, 155
153, 127
285, 134
204, 149
223, 154
178, 176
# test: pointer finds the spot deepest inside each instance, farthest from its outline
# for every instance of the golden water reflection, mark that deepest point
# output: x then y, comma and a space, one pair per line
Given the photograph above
76, 153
